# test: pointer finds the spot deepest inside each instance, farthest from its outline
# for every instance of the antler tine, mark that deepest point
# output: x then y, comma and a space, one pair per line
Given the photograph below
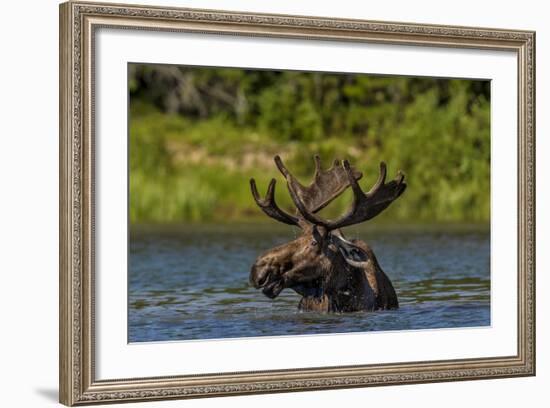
381, 177
365, 206
282, 168
317, 160
269, 206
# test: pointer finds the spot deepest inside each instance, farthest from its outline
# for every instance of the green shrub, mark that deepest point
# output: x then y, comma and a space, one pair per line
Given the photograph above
192, 162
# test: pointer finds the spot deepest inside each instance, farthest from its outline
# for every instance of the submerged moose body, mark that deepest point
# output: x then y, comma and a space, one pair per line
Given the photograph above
330, 272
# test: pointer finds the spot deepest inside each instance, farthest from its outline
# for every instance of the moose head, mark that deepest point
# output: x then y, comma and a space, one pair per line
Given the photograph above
330, 272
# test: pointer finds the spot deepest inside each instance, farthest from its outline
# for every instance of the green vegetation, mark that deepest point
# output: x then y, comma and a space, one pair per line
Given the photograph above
197, 135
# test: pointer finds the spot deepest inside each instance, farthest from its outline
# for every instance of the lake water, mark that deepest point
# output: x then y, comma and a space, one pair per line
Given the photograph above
191, 282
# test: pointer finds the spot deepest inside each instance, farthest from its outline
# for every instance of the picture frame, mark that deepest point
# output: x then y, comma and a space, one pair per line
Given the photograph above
79, 24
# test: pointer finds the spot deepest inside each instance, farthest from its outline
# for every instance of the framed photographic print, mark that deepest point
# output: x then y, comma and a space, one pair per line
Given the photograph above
256, 203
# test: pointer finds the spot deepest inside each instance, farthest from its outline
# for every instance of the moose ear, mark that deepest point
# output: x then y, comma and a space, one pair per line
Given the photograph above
353, 254
356, 257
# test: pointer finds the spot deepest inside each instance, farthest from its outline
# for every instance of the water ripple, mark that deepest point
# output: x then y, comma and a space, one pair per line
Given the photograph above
192, 283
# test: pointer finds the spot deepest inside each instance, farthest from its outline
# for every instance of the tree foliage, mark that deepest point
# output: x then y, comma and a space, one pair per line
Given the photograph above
196, 131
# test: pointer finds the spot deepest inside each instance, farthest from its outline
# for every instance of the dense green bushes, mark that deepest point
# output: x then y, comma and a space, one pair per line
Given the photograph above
198, 134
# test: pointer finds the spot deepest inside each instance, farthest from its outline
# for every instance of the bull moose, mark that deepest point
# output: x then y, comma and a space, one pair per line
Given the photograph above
330, 272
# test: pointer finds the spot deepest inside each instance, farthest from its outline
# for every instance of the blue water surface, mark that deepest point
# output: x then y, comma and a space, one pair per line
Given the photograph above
191, 282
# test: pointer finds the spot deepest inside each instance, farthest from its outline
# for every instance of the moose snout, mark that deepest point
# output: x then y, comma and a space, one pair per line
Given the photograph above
259, 275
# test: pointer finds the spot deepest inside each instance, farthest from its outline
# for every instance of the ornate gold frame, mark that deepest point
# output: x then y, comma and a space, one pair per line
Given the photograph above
78, 22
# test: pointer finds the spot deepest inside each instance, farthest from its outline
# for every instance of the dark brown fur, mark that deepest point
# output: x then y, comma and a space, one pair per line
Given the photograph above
331, 273
321, 275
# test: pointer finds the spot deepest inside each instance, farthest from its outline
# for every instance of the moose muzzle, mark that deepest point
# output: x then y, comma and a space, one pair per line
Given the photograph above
267, 278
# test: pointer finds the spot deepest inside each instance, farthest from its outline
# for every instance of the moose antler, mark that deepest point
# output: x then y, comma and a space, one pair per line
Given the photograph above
269, 206
325, 187
364, 207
